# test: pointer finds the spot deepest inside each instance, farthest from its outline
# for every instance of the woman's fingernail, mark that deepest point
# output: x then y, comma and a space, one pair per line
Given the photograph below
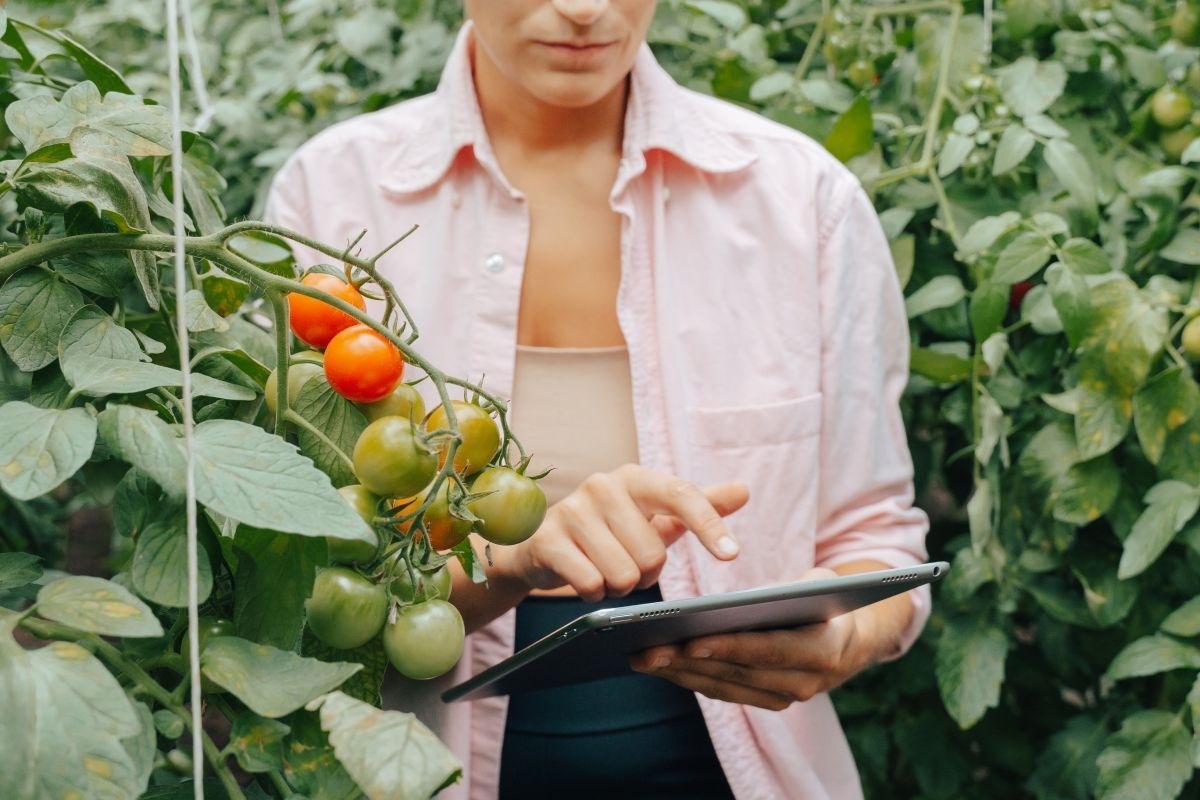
660, 662
702, 653
727, 546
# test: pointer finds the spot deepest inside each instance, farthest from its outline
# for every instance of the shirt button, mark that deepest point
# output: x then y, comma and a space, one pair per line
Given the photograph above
494, 263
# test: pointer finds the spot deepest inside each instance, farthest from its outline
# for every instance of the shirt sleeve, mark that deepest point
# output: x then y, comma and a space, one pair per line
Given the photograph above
865, 508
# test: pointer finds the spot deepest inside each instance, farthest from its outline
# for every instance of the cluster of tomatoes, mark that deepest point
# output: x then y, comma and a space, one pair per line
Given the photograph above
1174, 111
401, 585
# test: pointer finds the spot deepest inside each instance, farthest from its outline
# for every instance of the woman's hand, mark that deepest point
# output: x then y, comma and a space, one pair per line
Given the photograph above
773, 669
610, 536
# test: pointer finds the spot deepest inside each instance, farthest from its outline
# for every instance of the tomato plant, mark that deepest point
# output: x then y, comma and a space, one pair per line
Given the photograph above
308, 364
442, 527
361, 365
354, 551
346, 610
426, 640
418, 585
316, 322
480, 436
392, 460
404, 401
510, 505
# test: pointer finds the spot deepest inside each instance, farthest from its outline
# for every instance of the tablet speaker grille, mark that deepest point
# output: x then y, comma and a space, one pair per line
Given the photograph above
666, 612
898, 578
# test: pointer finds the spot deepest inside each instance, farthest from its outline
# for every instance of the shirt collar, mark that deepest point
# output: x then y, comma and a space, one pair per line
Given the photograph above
660, 115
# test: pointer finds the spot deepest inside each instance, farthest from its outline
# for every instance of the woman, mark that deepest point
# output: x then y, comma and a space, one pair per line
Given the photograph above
695, 314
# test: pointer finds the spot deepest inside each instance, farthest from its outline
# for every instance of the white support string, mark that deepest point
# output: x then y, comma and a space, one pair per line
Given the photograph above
181, 334
195, 70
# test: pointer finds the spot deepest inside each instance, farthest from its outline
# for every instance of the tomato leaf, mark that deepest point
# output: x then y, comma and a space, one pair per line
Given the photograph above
938, 366
159, 570
1185, 620
1030, 86
97, 606
940, 292
1085, 257
137, 129
257, 742
1170, 504
1161, 405
1148, 759
270, 681
364, 685
199, 316
18, 569
99, 376
1086, 491
1022, 258
1066, 768
391, 755
41, 448
274, 576
853, 132
970, 668
338, 419
1071, 299
1184, 248
34, 310
1151, 655
91, 332
1016, 143
64, 719
1072, 171
140, 437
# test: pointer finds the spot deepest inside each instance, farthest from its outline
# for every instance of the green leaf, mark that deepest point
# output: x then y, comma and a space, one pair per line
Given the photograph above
1161, 405
99, 376
259, 479
265, 250
224, 293
1086, 491
1147, 759
34, 310
1151, 655
136, 128
904, 256
939, 367
274, 576
1192, 154
199, 316
97, 606
310, 763
1023, 17
1185, 620
1072, 300
138, 436
770, 85
106, 184
338, 419
1029, 86
1016, 143
970, 668
1108, 598
1066, 768
159, 570
364, 685
168, 723
984, 232
41, 448
105, 274
1072, 171
1104, 413
853, 132
1181, 453
1084, 257
1022, 258
989, 304
1184, 248
954, 152
142, 747
1170, 505
92, 332
1127, 331
940, 292
257, 742
391, 755
730, 15
828, 95
18, 569
64, 718
270, 681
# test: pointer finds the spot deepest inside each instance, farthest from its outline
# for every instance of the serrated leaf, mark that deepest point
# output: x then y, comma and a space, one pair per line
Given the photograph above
1022, 258
1184, 248
853, 132
770, 85
35, 307
257, 742
159, 570
259, 479
989, 304
390, 755
270, 681
1072, 300
40, 448
364, 685
1066, 768
1086, 491
984, 232
940, 292
1151, 655
1185, 620
1084, 257
274, 576
1016, 143
18, 569
140, 437
1029, 86
99, 376
1104, 413
199, 316
97, 606
64, 718
168, 723
338, 419
1072, 171
140, 129
730, 15
107, 184
1108, 598
970, 668
1170, 505
1147, 759
1161, 405
954, 152
91, 332
104, 274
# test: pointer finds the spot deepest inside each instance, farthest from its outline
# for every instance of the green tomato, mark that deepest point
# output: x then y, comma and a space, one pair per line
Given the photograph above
389, 460
305, 367
512, 511
430, 585
1171, 107
1185, 23
1174, 143
426, 640
840, 49
480, 436
861, 73
1191, 339
404, 401
346, 610
355, 551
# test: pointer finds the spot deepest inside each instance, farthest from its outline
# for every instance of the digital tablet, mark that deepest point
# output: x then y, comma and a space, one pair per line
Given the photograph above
598, 645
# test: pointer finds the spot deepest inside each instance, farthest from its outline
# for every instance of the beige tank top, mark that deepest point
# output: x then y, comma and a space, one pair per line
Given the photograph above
572, 408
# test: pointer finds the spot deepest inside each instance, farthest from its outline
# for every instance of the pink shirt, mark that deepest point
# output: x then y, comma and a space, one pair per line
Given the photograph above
767, 341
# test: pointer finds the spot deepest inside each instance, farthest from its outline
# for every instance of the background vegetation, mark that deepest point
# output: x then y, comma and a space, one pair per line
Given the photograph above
1046, 225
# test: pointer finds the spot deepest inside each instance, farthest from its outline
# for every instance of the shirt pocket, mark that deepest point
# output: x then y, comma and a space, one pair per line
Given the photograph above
775, 450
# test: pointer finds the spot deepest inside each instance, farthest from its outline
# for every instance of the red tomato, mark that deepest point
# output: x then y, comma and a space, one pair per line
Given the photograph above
361, 365
315, 321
